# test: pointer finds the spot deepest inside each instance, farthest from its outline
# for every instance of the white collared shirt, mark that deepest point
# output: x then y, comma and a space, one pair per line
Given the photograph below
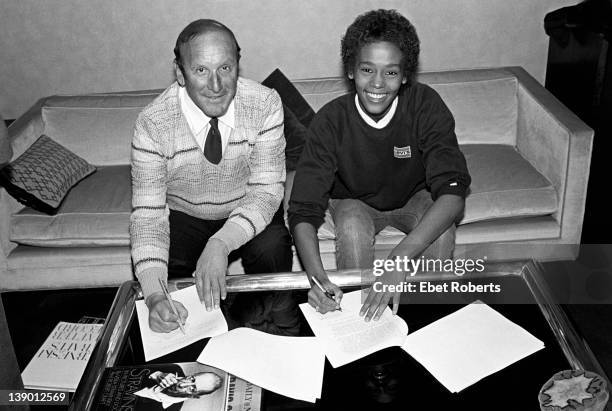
382, 123
199, 122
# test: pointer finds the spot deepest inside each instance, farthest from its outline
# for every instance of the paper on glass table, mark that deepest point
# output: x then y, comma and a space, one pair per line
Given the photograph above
347, 337
200, 324
470, 344
290, 366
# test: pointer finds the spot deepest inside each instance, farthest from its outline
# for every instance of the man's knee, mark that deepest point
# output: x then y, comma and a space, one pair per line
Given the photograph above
274, 312
270, 251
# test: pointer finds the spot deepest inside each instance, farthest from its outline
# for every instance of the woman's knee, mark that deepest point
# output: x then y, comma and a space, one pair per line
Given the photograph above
352, 221
354, 235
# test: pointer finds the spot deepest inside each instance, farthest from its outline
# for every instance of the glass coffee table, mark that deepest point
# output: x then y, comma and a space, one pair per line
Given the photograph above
390, 379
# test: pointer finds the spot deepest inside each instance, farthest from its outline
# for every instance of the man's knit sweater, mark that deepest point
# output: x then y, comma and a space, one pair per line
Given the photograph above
169, 171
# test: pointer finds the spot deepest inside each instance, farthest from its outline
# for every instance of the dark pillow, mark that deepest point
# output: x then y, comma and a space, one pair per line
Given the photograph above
41, 177
290, 96
298, 115
295, 136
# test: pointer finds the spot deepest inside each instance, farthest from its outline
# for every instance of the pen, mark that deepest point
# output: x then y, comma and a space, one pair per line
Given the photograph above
167, 294
327, 294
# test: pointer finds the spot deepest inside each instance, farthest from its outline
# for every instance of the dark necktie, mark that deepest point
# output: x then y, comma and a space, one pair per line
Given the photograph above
212, 147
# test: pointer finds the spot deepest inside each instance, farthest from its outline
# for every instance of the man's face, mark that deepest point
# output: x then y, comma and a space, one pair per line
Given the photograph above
198, 384
207, 382
378, 76
211, 71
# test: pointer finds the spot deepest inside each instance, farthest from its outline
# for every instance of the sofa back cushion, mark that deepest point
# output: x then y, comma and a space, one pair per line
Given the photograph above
483, 102
96, 127
99, 127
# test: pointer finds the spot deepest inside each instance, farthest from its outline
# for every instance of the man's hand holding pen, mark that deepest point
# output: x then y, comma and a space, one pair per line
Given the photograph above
161, 317
324, 295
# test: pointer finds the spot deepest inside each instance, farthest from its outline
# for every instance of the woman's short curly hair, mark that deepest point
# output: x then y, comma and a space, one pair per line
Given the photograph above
382, 25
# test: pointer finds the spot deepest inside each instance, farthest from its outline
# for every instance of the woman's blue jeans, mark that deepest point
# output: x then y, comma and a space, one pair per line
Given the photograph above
357, 223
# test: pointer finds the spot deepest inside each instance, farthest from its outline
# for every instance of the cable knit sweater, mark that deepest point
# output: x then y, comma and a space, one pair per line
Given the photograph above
169, 171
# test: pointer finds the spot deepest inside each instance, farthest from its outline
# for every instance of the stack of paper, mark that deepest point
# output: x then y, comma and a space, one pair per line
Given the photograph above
200, 324
470, 344
346, 336
290, 366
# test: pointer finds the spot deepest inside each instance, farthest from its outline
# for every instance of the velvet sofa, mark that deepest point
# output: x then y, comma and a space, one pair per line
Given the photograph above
528, 156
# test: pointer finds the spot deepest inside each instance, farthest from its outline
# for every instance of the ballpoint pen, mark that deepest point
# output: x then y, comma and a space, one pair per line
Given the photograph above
327, 294
172, 306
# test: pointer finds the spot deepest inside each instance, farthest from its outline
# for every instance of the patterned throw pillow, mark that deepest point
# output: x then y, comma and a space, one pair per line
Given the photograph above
42, 176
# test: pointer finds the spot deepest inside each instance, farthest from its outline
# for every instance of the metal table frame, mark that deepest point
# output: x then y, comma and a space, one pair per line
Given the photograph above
122, 311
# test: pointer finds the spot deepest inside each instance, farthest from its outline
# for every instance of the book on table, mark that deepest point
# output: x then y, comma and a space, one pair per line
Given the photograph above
59, 363
174, 386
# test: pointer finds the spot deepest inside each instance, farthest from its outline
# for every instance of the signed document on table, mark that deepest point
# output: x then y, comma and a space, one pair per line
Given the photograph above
347, 337
458, 350
200, 324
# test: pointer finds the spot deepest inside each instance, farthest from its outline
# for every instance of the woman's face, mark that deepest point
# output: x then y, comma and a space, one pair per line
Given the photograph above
378, 76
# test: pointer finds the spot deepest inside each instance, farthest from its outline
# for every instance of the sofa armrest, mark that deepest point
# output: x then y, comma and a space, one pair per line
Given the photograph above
22, 133
559, 145
26, 129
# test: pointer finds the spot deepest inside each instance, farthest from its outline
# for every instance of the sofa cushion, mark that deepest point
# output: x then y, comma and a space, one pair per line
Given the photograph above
95, 213
98, 127
484, 103
42, 176
504, 185
319, 91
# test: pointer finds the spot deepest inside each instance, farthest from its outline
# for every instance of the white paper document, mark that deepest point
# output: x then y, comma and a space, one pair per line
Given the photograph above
200, 324
347, 337
290, 366
470, 344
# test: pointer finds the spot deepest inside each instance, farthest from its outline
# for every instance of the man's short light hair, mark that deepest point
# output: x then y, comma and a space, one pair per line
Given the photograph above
197, 28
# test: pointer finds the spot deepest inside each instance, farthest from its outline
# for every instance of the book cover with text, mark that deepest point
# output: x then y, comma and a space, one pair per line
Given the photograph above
59, 363
172, 386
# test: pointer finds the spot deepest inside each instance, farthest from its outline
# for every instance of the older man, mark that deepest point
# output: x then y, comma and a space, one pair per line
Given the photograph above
208, 169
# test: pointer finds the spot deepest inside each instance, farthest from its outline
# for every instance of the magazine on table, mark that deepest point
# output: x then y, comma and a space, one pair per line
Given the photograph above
174, 386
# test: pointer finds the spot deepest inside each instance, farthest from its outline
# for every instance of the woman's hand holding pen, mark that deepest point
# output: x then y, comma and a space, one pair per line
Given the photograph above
161, 317
319, 300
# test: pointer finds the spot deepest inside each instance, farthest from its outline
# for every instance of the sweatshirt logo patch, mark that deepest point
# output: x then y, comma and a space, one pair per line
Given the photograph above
402, 152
